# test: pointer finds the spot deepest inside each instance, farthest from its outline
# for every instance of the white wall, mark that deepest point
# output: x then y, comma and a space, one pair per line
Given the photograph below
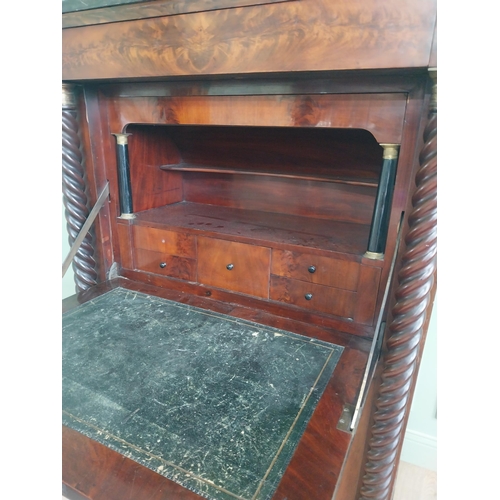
420, 445
68, 283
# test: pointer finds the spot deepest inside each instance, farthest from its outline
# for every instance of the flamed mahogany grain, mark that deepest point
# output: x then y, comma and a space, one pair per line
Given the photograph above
305, 35
326, 271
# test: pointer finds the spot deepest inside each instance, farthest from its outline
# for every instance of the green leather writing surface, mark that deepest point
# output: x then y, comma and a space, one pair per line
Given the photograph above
77, 5
215, 403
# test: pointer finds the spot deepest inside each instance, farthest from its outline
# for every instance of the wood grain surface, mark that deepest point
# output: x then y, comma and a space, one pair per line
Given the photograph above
170, 242
305, 35
327, 271
234, 266
149, 148
154, 8
319, 236
381, 114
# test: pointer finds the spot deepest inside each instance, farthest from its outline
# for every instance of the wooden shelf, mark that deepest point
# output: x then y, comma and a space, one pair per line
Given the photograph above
307, 175
251, 226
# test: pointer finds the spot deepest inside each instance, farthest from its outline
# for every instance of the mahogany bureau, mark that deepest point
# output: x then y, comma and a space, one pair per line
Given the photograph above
253, 170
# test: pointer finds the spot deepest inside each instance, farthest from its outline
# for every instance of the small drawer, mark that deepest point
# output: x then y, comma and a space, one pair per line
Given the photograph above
234, 266
161, 240
316, 269
166, 265
311, 296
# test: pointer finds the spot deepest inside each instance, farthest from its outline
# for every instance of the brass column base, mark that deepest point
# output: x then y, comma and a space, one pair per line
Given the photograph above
374, 255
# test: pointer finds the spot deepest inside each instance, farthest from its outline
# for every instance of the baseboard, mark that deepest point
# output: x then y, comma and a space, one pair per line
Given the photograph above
420, 449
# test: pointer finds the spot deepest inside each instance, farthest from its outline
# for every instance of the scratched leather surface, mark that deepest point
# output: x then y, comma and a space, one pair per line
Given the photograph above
215, 403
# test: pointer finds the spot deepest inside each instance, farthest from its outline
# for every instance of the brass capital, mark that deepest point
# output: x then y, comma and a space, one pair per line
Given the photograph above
391, 151
434, 95
122, 139
68, 96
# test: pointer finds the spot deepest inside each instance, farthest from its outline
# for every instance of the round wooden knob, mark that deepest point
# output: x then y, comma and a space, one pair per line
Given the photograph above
229, 267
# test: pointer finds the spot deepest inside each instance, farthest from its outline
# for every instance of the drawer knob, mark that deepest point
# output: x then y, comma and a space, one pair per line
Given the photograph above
311, 269
163, 265
229, 267
308, 296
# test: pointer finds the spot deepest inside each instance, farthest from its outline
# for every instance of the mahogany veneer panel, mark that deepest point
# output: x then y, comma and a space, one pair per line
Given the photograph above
164, 264
330, 272
100, 473
306, 35
159, 240
381, 114
323, 298
234, 266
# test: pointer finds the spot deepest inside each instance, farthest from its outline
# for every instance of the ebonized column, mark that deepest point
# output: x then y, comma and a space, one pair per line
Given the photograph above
406, 330
124, 183
75, 199
382, 210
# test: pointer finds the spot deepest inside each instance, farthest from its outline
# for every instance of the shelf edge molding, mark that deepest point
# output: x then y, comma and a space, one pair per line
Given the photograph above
185, 167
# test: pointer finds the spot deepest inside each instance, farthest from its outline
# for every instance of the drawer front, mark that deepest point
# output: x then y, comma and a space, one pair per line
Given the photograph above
167, 242
166, 265
234, 266
316, 269
314, 297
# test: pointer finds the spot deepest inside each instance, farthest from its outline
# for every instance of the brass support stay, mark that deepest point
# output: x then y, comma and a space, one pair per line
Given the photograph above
85, 228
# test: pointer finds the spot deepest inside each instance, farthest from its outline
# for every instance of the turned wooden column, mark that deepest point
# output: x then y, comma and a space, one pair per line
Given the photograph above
75, 199
413, 295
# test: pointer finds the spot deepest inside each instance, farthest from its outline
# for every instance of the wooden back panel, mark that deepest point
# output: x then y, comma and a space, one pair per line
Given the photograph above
351, 156
321, 200
329, 152
148, 148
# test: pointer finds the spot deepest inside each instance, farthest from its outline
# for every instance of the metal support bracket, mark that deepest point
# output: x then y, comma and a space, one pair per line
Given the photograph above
378, 336
346, 418
85, 228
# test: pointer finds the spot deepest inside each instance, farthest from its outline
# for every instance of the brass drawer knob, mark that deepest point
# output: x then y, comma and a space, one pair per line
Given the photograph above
311, 269
308, 296
229, 267
163, 265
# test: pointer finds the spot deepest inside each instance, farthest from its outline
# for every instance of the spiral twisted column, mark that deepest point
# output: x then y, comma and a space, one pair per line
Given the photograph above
74, 192
413, 294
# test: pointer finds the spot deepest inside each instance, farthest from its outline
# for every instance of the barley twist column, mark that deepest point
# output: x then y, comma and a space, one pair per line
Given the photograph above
413, 294
74, 192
